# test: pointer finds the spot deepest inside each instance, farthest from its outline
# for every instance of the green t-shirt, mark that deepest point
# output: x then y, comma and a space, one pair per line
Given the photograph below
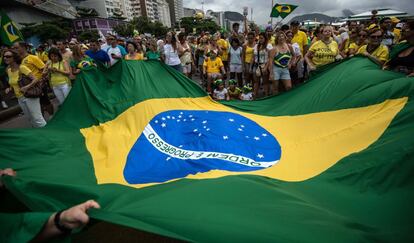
153, 55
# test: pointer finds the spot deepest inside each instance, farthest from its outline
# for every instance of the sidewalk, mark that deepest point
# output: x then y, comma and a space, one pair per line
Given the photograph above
13, 110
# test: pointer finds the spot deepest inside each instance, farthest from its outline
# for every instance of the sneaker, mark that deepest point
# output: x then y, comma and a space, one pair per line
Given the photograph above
4, 105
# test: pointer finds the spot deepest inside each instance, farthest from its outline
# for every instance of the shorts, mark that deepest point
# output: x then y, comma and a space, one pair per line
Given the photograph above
236, 68
280, 73
215, 75
248, 68
186, 68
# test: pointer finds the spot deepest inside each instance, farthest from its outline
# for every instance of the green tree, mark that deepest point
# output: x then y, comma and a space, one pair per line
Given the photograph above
88, 35
189, 23
48, 30
142, 25
124, 29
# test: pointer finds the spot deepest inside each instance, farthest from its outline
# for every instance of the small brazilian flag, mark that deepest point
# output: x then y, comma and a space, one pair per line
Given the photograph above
9, 33
329, 161
282, 10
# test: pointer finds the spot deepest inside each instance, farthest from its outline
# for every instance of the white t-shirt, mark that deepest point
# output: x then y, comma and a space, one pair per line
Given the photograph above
235, 57
220, 95
296, 49
171, 56
248, 96
264, 54
115, 51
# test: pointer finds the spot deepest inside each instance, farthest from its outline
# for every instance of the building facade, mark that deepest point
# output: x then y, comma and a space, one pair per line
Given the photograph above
108, 8
164, 13
176, 10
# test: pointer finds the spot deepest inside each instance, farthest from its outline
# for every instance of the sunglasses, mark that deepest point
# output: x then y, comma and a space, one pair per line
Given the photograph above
111, 39
7, 56
375, 36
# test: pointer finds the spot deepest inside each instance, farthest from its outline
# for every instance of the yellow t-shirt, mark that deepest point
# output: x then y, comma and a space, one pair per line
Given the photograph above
301, 38
324, 53
14, 78
43, 56
248, 58
138, 56
397, 35
213, 66
34, 64
381, 53
58, 78
224, 45
354, 46
272, 40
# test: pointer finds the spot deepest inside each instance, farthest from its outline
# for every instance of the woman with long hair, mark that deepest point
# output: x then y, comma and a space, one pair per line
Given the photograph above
279, 63
261, 64
135, 51
59, 72
172, 52
15, 70
80, 60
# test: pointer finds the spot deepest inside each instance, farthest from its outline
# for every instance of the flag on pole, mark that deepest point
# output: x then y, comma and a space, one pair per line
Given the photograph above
9, 33
282, 10
330, 161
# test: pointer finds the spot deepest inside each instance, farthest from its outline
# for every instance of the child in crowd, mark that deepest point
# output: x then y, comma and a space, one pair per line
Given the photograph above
220, 93
233, 90
247, 93
214, 68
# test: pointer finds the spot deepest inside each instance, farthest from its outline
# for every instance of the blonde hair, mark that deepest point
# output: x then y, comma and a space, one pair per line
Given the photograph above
278, 34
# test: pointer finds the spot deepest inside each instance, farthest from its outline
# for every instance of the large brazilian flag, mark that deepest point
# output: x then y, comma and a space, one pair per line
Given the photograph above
330, 161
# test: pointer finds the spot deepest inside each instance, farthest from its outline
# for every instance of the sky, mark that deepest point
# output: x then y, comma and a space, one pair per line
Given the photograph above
262, 8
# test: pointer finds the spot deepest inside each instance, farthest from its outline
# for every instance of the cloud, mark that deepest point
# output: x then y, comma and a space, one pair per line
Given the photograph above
262, 8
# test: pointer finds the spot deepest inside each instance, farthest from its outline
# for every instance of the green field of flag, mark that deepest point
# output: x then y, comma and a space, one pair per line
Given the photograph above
345, 172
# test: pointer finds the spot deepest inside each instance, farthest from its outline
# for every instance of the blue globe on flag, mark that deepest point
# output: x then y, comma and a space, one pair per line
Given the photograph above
178, 143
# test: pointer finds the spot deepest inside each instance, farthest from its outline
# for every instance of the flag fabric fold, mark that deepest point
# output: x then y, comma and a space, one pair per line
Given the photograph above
332, 160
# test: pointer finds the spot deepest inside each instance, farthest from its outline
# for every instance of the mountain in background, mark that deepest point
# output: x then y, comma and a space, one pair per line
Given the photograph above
315, 17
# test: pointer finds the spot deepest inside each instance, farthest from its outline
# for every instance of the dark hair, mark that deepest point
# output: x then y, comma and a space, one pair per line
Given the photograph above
94, 41
23, 44
16, 56
383, 20
284, 27
410, 25
263, 34
294, 23
235, 24
251, 33
132, 43
235, 40
55, 51
181, 36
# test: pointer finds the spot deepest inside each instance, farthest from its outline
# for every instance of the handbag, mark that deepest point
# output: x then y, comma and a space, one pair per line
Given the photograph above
260, 68
33, 92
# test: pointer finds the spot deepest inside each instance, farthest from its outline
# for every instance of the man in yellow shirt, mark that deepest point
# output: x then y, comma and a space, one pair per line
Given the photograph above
41, 53
299, 37
224, 55
212, 66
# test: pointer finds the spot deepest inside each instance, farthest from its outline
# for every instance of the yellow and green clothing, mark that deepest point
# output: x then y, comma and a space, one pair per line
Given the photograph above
138, 56
57, 78
248, 58
302, 39
34, 64
224, 45
213, 66
324, 53
381, 52
14, 78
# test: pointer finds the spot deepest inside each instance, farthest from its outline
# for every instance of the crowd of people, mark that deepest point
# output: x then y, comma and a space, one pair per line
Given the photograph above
231, 66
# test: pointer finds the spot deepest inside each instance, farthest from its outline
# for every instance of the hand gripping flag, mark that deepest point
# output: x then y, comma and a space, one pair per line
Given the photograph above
9, 33
282, 10
330, 161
